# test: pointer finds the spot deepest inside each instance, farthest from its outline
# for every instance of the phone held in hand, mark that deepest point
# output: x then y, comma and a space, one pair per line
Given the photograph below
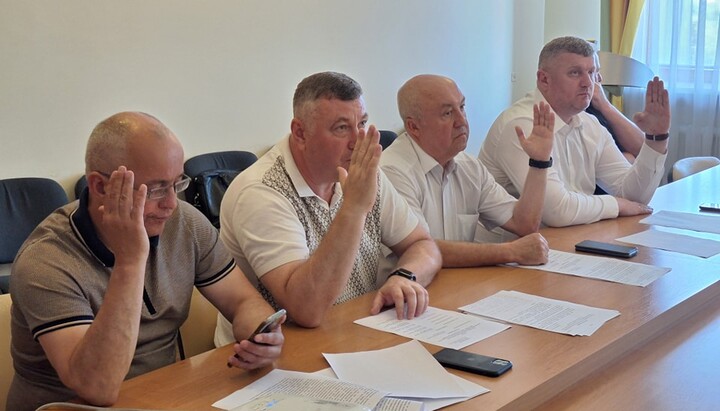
475, 363
271, 322
613, 250
713, 207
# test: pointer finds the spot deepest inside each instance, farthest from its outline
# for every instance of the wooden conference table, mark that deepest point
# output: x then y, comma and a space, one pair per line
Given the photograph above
634, 361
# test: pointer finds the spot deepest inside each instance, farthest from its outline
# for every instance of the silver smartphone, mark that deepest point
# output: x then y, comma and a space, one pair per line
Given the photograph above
271, 322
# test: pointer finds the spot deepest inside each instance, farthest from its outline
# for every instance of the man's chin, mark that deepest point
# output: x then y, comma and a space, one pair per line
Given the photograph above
154, 228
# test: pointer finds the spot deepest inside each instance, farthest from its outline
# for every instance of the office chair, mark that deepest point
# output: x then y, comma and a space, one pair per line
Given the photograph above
386, 138
6, 364
80, 186
24, 203
197, 333
691, 165
211, 175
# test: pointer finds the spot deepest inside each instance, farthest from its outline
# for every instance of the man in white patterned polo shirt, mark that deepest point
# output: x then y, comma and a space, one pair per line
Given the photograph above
306, 222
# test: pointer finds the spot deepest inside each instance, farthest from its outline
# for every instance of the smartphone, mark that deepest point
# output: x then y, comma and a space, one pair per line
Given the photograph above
271, 322
613, 250
714, 207
475, 363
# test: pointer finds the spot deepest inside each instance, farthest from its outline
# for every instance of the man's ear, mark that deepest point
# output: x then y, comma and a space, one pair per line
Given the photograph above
543, 80
412, 127
96, 183
297, 131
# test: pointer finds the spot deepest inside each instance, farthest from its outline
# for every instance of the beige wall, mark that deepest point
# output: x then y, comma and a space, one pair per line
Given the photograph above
221, 73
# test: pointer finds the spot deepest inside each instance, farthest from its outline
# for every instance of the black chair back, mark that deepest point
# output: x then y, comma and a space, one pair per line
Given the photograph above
211, 174
24, 203
386, 138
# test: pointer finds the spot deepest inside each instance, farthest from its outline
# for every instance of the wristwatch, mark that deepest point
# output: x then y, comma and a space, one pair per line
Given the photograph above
657, 137
403, 273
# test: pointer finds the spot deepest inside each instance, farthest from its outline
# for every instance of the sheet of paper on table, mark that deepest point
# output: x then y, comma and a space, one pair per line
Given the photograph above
542, 313
600, 268
671, 241
445, 328
406, 371
705, 223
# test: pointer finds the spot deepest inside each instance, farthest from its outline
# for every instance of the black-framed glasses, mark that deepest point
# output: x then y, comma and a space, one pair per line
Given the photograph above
158, 193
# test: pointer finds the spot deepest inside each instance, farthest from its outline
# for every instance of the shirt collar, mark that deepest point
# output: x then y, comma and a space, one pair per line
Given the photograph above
560, 126
298, 181
427, 163
84, 228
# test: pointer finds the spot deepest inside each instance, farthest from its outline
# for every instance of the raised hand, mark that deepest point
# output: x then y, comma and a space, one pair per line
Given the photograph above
359, 182
539, 145
656, 117
122, 217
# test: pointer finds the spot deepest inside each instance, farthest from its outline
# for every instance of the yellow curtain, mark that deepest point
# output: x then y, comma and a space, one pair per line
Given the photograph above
624, 19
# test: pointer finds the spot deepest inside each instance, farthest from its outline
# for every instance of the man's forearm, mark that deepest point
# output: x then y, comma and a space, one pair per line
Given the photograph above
101, 360
625, 131
314, 285
467, 254
424, 259
527, 214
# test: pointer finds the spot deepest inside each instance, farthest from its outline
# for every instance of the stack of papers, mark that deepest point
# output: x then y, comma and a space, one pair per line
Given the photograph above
600, 268
543, 313
445, 328
405, 377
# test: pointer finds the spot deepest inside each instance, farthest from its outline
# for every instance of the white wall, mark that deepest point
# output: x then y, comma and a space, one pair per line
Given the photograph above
538, 21
221, 74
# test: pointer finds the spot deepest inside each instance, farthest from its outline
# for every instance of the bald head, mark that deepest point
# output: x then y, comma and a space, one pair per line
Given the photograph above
419, 90
115, 139
433, 111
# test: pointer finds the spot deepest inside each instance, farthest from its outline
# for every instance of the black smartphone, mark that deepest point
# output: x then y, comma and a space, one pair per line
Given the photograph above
714, 207
271, 322
475, 363
613, 250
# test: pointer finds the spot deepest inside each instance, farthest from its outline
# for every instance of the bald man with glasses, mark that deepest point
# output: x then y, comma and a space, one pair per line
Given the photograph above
102, 286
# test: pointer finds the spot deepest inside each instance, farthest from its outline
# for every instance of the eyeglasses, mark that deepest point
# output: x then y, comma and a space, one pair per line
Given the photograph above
158, 193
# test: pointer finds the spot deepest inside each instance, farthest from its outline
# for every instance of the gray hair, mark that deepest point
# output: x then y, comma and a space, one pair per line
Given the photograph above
108, 143
568, 44
328, 85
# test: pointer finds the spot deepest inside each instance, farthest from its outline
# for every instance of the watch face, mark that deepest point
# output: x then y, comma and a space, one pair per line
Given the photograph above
404, 273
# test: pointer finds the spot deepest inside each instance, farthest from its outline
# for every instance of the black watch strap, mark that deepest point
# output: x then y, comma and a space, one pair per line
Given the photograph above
404, 273
657, 137
540, 164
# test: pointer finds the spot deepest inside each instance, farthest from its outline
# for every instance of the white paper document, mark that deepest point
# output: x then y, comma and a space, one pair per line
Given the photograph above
680, 243
407, 371
445, 328
426, 404
600, 268
697, 222
543, 313
302, 384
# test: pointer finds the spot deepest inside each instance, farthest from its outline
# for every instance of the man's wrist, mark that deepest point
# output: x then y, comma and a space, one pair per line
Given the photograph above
404, 273
540, 163
657, 137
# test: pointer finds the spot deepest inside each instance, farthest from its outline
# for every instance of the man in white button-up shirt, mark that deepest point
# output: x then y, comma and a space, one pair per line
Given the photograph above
584, 152
451, 191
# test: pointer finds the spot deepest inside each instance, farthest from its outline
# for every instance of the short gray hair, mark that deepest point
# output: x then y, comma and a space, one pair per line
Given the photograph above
567, 44
328, 84
108, 143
